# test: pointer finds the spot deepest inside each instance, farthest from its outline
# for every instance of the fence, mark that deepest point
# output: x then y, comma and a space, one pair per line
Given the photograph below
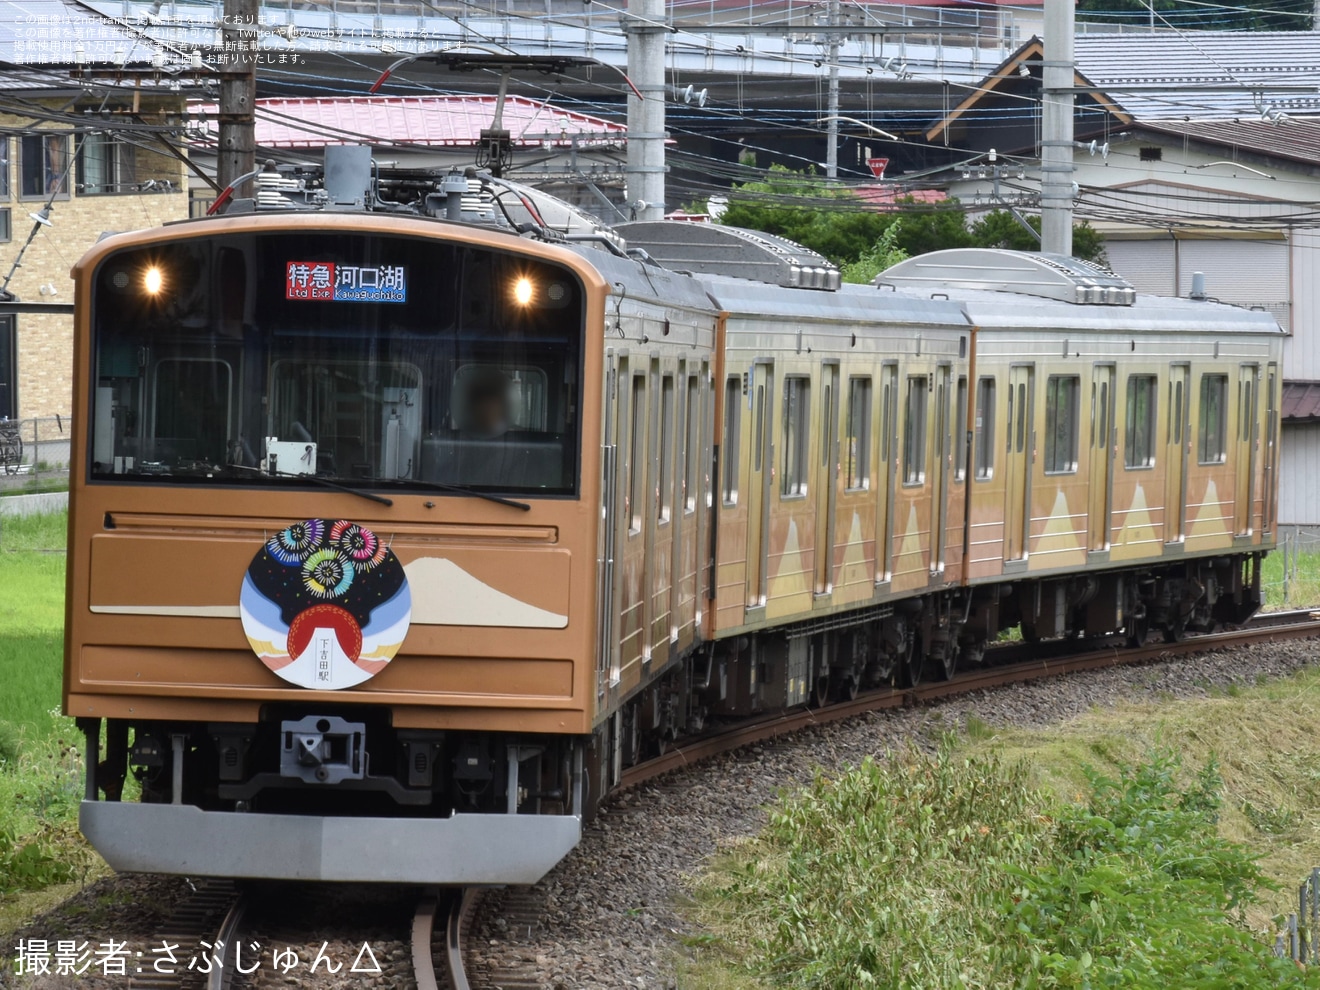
33, 449
1300, 939
1298, 547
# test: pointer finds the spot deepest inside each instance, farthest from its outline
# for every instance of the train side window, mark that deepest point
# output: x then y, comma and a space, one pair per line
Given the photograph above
667, 454
1212, 445
1061, 392
732, 409
914, 431
1141, 401
984, 440
797, 434
1176, 416
960, 431
692, 449
857, 441
1247, 411
637, 453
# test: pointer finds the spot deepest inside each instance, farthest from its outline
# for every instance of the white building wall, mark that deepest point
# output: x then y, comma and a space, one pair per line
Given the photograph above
1299, 476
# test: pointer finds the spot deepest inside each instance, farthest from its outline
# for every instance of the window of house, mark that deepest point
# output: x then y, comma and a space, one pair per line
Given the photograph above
43, 165
857, 439
1212, 445
983, 439
105, 165
4, 167
914, 431
1141, 399
1061, 392
729, 453
8, 368
960, 431
797, 435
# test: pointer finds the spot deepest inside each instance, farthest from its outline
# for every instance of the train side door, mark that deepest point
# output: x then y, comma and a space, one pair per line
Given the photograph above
1017, 483
1175, 477
760, 396
1245, 450
607, 650
888, 446
1270, 506
661, 523
826, 490
939, 475
1100, 496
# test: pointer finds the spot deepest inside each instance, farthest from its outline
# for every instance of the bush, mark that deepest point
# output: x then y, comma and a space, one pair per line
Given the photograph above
946, 871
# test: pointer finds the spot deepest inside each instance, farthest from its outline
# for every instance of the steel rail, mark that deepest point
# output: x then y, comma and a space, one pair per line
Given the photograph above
456, 906
1271, 627
226, 938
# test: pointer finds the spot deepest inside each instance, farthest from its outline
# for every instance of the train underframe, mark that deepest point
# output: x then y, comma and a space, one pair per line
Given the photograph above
332, 792
929, 637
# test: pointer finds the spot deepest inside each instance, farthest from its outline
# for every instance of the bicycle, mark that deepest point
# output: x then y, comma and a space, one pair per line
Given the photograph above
11, 446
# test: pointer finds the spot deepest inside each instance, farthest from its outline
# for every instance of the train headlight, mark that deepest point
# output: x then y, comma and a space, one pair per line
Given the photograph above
152, 280
522, 291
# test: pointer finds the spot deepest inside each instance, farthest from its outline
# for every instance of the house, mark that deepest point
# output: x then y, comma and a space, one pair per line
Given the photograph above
575, 156
1195, 152
79, 160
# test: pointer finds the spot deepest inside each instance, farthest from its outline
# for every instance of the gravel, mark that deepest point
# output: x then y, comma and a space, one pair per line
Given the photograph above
606, 918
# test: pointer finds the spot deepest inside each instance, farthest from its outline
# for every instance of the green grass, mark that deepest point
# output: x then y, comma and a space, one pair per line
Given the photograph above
1303, 584
40, 764
902, 871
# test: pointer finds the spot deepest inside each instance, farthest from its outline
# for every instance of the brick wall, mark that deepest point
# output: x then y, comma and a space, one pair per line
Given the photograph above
45, 343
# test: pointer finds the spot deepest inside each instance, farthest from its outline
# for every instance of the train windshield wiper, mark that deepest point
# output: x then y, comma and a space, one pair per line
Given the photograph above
315, 479
440, 486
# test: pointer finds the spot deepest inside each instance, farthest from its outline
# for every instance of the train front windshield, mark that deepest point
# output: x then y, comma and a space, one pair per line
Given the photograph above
375, 361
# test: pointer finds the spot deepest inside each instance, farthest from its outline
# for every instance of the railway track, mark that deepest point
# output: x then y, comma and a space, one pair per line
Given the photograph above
441, 917
1064, 657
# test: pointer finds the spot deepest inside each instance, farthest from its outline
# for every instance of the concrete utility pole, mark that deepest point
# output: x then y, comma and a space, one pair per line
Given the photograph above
1315, 16
238, 94
1056, 145
832, 126
645, 28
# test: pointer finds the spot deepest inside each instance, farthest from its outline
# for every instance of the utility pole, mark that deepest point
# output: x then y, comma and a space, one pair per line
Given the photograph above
1056, 145
1315, 16
645, 28
832, 125
238, 94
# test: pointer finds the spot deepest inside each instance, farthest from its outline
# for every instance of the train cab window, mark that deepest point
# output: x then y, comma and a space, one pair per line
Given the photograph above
797, 435
984, 433
857, 440
960, 431
692, 448
914, 431
636, 453
272, 359
1212, 443
732, 425
665, 504
1141, 400
1061, 393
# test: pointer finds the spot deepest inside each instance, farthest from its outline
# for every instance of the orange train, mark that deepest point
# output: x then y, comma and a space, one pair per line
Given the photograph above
408, 509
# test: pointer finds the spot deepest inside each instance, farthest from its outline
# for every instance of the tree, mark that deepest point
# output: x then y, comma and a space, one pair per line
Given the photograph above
1000, 229
881, 256
833, 221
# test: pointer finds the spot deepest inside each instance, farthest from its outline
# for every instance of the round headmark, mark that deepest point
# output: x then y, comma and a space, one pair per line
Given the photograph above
325, 604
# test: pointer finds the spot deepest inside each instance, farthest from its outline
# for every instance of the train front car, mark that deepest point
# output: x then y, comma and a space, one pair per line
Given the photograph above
331, 571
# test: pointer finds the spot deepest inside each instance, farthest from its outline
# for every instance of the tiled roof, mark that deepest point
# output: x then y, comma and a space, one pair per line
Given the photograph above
1296, 138
1207, 73
1301, 402
423, 121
